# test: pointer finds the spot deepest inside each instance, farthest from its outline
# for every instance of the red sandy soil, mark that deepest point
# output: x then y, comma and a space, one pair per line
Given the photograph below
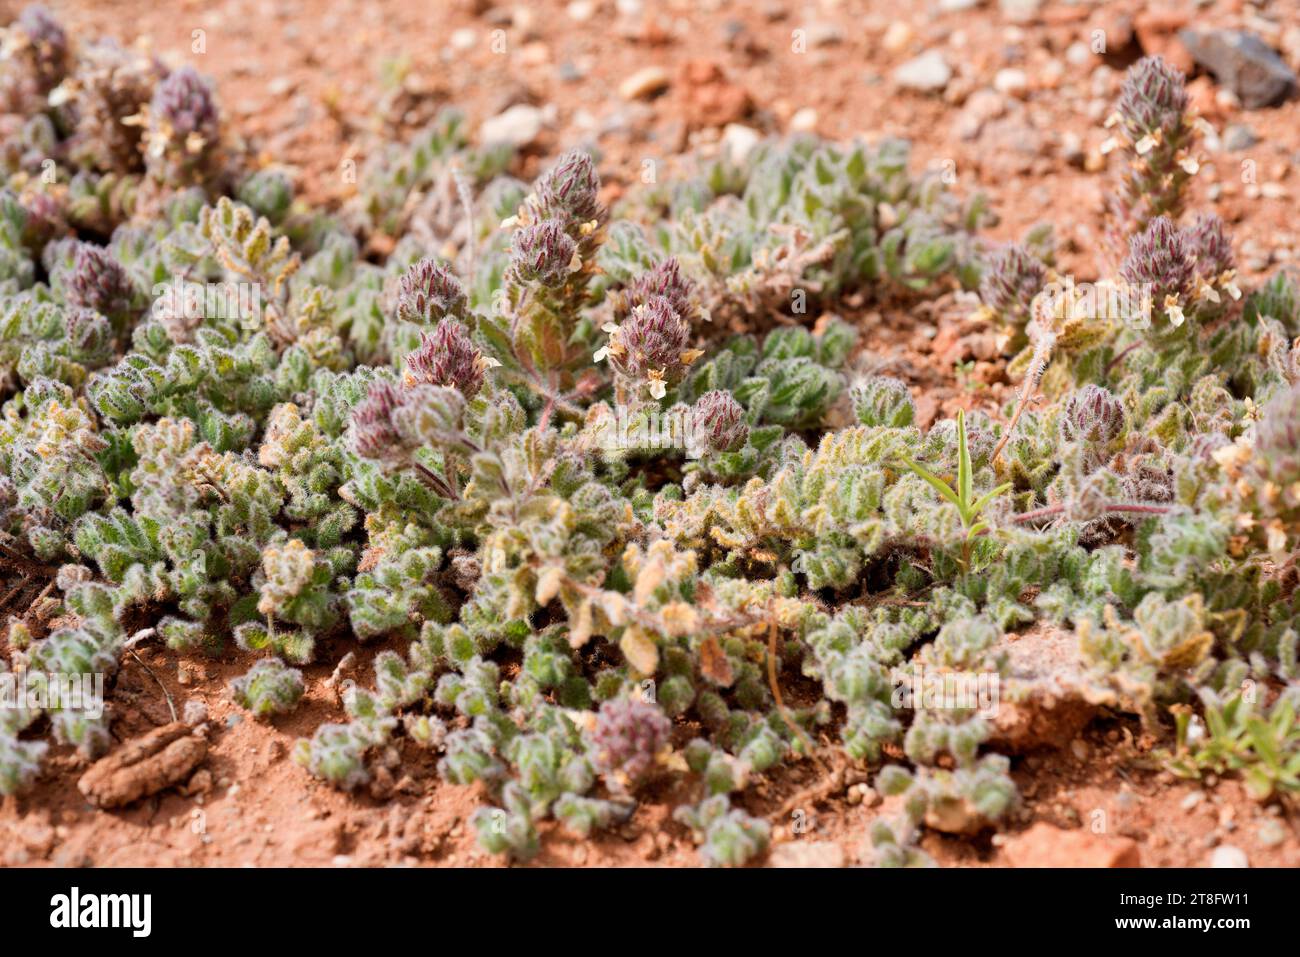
301, 79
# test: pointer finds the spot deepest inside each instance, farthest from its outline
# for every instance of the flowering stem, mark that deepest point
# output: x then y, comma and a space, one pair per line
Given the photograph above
1043, 342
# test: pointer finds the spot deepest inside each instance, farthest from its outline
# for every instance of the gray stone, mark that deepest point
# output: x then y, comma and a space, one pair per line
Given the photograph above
1243, 63
1238, 136
517, 126
1272, 833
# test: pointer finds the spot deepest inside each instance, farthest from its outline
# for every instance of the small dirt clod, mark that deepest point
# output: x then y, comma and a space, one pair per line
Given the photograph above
144, 766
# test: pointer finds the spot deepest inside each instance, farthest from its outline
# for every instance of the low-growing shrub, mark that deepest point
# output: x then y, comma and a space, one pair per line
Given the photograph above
623, 451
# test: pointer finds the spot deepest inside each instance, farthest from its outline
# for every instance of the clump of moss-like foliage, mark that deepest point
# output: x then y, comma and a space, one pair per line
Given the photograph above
610, 450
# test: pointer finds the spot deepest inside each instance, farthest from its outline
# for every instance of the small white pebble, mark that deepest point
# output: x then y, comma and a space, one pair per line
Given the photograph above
1227, 855
804, 121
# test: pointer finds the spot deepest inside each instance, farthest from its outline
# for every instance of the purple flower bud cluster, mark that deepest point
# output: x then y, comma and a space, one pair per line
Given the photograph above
184, 102
1153, 98
1159, 138
99, 282
375, 434
717, 424
666, 280
543, 253
1162, 258
1014, 278
392, 422
568, 192
651, 339
430, 292
1092, 416
628, 733
183, 129
1211, 247
447, 357
44, 219
46, 46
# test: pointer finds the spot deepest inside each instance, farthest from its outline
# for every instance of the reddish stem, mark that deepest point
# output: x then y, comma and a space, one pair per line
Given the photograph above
1051, 511
1120, 357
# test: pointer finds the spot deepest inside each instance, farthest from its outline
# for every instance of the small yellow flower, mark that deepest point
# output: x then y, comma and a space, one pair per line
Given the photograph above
1174, 310
62, 93
1276, 537
612, 329
1228, 282
520, 218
